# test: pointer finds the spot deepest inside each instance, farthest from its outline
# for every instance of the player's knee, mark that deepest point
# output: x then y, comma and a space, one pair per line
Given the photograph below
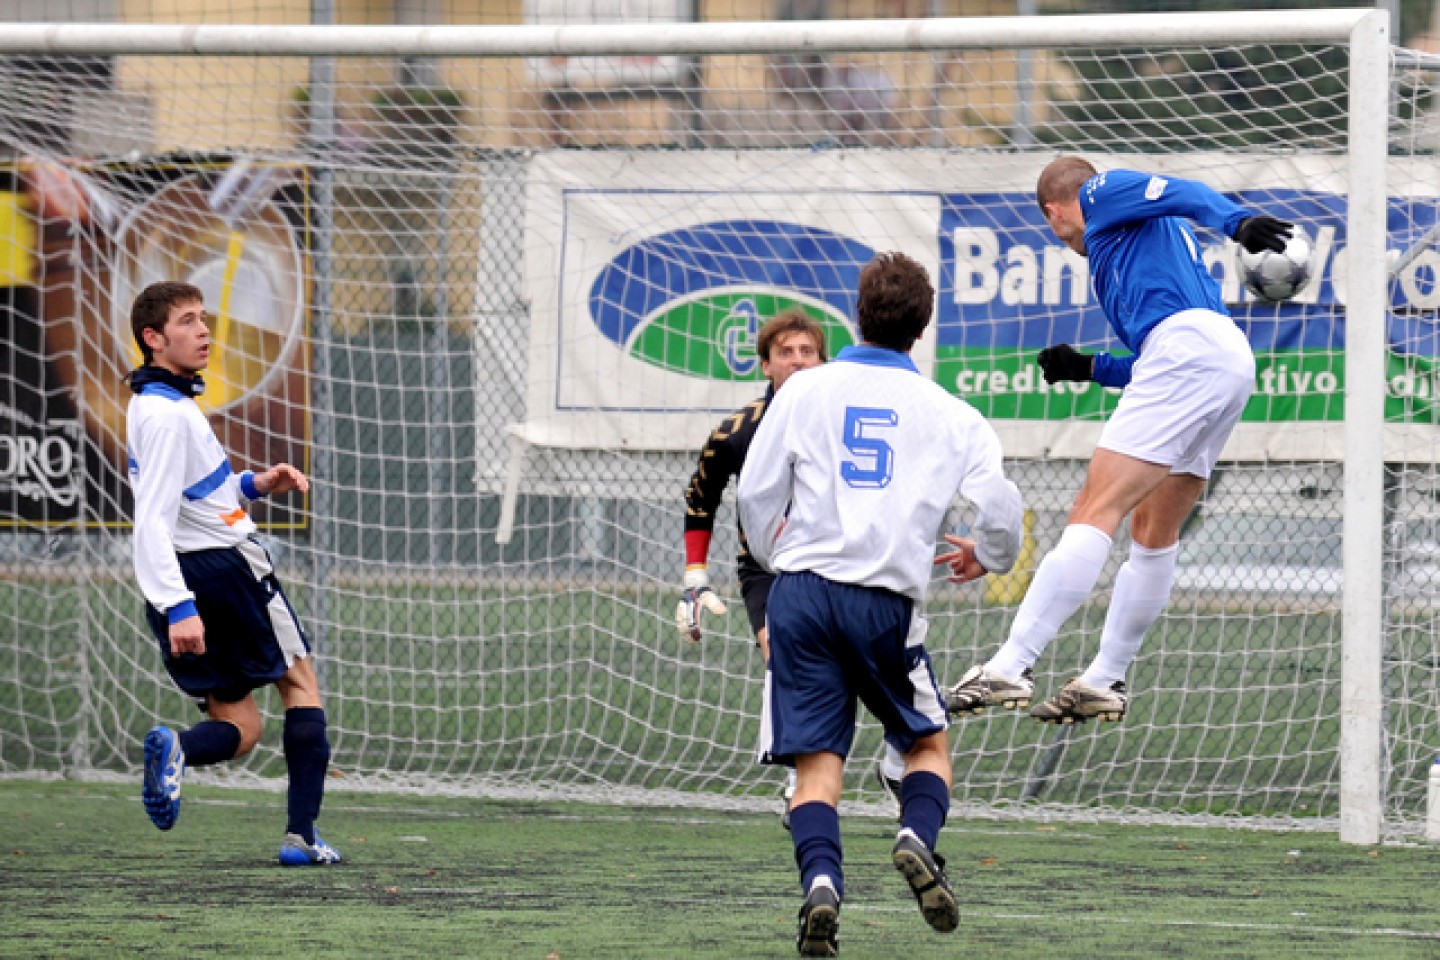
932, 754
1155, 529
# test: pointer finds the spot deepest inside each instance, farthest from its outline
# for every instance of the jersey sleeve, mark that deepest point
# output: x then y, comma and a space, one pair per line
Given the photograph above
1112, 371
999, 509
718, 463
159, 486
1118, 197
767, 481
244, 486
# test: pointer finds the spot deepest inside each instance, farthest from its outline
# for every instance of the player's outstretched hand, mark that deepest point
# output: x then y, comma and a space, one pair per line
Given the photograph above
281, 478
1257, 234
1064, 362
697, 596
964, 567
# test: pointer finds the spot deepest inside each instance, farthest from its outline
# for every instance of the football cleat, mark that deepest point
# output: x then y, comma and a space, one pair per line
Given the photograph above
295, 852
819, 934
924, 870
979, 688
1077, 702
164, 769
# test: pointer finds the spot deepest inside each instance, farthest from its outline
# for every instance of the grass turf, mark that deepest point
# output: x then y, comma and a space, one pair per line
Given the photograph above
86, 875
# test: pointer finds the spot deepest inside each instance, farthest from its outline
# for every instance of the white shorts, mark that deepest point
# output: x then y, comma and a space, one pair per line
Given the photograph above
1186, 393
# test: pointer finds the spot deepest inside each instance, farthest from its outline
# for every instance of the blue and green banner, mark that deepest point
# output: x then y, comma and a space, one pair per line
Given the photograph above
651, 281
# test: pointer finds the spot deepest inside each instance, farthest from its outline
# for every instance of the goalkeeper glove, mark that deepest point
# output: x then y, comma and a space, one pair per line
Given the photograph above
1064, 362
697, 594
1258, 234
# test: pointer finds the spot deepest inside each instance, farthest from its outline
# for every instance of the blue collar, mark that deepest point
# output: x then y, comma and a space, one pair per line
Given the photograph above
874, 356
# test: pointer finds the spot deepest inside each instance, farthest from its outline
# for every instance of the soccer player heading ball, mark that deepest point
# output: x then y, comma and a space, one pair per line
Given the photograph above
843, 494
222, 621
1185, 383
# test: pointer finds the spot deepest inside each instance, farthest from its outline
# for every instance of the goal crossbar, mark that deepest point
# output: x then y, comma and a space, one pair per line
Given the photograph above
842, 36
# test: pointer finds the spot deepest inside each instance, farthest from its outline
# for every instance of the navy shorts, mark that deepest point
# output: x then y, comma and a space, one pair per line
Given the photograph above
252, 636
831, 645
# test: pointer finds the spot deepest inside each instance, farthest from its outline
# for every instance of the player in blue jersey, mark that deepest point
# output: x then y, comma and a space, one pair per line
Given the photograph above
213, 603
843, 494
1186, 380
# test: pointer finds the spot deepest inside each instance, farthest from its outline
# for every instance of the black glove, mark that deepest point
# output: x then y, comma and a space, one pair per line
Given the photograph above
1257, 234
1065, 363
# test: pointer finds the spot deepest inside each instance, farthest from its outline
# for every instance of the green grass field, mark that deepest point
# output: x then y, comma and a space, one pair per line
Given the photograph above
86, 875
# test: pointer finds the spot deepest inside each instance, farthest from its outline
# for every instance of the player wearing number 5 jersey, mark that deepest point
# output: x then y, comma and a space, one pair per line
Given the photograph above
1186, 381
843, 494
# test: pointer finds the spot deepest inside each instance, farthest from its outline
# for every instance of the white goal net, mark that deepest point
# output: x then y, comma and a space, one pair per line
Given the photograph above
492, 287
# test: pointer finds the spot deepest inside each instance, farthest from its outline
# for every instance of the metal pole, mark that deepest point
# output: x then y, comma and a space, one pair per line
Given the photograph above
1023, 133
1366, 321
322, 431
437, 358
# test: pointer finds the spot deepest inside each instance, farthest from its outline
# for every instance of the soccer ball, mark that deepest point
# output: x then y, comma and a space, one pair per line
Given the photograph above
1278, 276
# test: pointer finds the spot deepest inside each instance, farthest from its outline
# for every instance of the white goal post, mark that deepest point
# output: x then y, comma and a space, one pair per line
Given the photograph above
476, 342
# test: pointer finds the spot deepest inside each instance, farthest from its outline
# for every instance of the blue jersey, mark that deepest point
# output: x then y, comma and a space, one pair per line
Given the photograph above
1145, 261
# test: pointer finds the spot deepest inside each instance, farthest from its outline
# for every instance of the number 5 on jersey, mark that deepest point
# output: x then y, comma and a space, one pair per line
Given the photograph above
875, 459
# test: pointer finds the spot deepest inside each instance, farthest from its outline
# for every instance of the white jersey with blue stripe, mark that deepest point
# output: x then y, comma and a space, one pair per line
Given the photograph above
187, 497
859, 460
1146, 263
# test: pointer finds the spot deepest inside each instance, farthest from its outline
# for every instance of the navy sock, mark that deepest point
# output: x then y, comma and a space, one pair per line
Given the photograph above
307, 757
210, 741
924, 802
815, 828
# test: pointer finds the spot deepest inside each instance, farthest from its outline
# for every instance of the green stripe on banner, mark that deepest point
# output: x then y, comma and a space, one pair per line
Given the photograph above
1290, 386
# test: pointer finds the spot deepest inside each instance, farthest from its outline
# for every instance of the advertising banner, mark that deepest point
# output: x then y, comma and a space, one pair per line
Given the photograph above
76, 245
644, 270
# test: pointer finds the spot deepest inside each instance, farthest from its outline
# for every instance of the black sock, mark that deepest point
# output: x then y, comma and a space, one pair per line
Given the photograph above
210, 741
307, 757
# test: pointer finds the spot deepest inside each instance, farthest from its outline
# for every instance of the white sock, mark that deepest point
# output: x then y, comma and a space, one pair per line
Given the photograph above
1062, 582
790, 781
1142, 589
892, 764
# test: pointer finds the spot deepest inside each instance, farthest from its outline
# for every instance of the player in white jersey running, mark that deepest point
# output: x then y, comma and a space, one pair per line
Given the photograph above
843, 494
213, 603
1186, 382
787, 343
